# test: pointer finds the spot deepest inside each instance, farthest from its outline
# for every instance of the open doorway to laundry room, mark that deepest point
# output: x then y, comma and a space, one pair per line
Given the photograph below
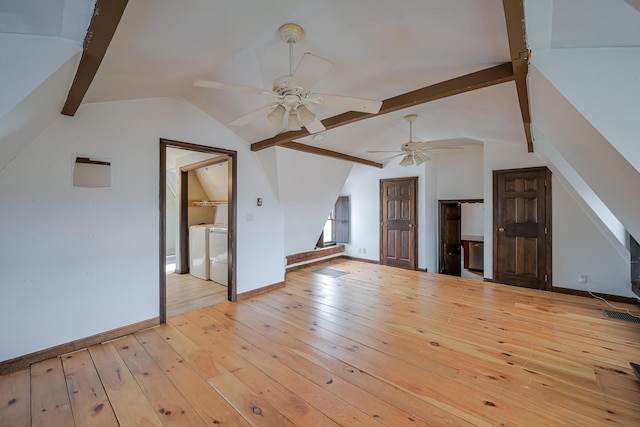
197, 227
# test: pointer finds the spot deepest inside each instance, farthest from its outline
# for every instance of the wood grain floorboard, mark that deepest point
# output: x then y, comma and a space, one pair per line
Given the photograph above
187, 293
378, 346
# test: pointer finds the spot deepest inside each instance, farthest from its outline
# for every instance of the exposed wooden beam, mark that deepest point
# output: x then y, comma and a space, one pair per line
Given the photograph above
477, 80
106, 16
328, 153
634, 3
516, 32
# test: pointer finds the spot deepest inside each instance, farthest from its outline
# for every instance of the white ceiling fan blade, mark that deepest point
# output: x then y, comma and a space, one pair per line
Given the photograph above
315, 126
391, 157
441, 150
310, 70
210, 84
346, 103
419, 155
247, 118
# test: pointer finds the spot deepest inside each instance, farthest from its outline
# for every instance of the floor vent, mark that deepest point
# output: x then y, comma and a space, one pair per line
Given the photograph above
328, 271
620, 315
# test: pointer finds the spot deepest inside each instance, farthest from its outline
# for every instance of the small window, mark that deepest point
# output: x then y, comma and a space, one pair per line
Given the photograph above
336, 229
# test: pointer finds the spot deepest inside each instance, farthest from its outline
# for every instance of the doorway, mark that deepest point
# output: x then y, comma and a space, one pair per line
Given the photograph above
204, 157
398, 226
522, 227
461, 228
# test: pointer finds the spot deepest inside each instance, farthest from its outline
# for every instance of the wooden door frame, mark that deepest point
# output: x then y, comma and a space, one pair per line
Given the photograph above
441, 204
548, 222
414, 213
232, 209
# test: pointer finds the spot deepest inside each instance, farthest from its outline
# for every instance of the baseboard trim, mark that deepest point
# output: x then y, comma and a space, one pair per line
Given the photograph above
613, 298
315, 254
255, 292
58, 350
352, 258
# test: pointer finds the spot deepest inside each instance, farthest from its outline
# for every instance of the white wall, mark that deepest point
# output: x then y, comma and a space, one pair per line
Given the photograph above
588, 152
198, 214
76, 261
579, 247
363, 189
308, 187
214, 180
444, 177
456, 168
27, 62
604, 86
472, 219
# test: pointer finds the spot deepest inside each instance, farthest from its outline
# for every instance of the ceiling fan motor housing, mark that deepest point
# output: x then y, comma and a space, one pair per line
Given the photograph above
291, 33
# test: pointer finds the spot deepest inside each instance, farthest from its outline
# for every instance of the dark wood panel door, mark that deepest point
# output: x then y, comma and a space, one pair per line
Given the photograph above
398, 227
522, 227
450, 219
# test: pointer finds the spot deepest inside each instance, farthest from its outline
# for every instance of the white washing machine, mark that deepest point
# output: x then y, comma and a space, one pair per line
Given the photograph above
218, 266
199, 250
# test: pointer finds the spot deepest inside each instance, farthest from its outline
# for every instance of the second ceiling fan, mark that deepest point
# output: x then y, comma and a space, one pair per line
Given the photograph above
415, 152
292, 93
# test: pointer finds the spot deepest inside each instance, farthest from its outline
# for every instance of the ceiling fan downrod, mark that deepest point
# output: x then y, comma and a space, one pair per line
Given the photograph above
291, 33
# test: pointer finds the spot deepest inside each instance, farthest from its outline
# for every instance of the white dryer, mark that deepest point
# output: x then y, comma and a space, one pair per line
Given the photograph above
199, 250
218, 266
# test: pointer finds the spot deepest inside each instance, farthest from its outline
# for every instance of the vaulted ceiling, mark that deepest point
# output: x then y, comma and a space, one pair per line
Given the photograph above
380, 50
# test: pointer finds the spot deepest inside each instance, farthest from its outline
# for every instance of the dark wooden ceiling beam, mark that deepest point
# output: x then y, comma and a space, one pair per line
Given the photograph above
477, 80
106, 16
328, 153
516, 32
634, 3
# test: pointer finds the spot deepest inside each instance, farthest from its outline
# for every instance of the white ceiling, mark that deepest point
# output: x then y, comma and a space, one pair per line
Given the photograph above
380, 49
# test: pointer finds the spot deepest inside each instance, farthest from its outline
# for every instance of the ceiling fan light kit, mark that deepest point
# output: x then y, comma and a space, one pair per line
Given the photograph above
305, 116
407, 160
277, 115
414, 152
293, 91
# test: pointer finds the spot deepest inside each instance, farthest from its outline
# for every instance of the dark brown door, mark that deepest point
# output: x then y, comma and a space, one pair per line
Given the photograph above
522, 227
398, 227
450, 238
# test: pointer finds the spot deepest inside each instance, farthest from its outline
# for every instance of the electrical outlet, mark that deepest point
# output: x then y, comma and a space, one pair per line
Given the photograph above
364, 250
582, 278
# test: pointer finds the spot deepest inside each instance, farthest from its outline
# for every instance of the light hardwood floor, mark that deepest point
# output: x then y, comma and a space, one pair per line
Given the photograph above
377, 346
187, 293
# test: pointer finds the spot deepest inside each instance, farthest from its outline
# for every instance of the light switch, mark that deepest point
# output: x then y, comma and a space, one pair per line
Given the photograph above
259, 202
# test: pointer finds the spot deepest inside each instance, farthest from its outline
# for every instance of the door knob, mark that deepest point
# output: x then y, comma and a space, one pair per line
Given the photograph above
501, 229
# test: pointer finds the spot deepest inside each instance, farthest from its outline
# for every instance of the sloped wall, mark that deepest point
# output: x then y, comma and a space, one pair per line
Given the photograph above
308, 187
36, 73
603, 85
607, 172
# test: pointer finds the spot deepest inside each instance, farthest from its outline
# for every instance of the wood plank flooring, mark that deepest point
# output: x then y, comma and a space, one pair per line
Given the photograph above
377, 346
187, 293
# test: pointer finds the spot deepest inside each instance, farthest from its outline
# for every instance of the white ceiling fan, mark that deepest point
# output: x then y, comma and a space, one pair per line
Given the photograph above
293, 94
415, 152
